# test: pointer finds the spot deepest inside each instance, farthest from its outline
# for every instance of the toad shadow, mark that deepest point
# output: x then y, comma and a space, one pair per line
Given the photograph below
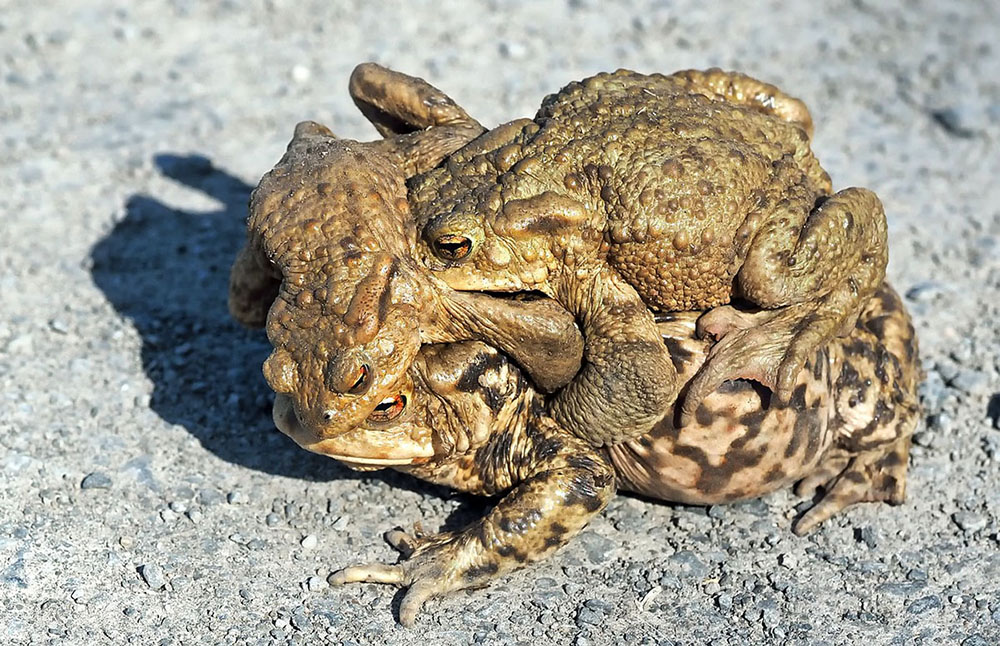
167, 270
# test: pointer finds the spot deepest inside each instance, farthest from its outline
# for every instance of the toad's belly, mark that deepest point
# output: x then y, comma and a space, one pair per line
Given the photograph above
740, 447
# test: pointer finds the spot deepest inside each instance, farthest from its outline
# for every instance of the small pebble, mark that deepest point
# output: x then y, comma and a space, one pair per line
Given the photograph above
586, 616
689, 565
341, 523
152, 574
257, 545
301, 74
59, 325
923, 604
970, 522
512, 49
316, 583
272, 519
770, 614
96, 480
209, 497
310, 542
236, 497
971, 382
869, 536
925, 291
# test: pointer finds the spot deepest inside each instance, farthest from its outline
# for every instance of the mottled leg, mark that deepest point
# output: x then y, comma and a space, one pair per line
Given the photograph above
815, 270
564, 484
422, 124
627, 381
874, 379
874, 476
253, 286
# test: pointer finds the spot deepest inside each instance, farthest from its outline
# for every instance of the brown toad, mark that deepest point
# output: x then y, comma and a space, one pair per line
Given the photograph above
483, 429
680, 192
329, 267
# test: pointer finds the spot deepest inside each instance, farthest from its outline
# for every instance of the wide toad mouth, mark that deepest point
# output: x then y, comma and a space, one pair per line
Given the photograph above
387, 462
361, 447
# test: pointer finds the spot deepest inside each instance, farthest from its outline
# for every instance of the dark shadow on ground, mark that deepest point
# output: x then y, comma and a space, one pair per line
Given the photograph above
167, 270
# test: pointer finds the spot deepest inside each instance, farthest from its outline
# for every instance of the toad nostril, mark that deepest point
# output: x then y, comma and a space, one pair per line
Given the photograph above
327, 415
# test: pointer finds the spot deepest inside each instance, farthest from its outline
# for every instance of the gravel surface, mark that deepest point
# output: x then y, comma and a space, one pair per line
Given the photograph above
145, 497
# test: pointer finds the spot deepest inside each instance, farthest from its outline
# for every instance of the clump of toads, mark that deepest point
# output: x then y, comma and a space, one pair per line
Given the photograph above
650, 286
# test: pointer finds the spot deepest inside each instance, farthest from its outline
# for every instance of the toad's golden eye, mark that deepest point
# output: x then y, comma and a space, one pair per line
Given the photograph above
452, 247
388, 409
361, 383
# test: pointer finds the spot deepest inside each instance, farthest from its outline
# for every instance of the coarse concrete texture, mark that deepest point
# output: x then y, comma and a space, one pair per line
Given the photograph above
146, 498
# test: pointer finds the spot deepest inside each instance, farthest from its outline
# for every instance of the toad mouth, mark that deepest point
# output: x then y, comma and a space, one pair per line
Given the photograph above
373, 461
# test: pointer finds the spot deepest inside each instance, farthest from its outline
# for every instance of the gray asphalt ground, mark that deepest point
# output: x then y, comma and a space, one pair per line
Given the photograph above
145, 497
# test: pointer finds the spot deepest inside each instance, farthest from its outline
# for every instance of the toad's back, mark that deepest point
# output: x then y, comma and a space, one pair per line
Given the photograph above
672, 170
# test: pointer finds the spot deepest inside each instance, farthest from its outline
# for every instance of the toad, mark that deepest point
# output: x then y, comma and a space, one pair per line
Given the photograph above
329, 269
479, 426
631, 192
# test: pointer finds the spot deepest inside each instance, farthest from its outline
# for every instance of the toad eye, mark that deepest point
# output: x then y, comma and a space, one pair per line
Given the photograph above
388, 409
361, 382
452, 247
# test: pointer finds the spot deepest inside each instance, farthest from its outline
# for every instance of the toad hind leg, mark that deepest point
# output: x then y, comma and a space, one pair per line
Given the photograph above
565, 484
875, 371
874, 476
744, 90
814, 270
421, 123
253, 286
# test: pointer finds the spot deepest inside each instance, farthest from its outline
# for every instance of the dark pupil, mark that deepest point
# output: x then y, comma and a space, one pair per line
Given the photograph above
388, 409
359, 384
453, 247
389, 404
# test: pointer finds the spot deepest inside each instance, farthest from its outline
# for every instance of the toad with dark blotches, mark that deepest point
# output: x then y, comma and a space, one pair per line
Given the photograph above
331, 265
484, 429
631, 192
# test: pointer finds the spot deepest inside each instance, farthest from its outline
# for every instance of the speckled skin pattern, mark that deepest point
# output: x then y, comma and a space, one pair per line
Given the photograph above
846, 431
682, 192
328, 266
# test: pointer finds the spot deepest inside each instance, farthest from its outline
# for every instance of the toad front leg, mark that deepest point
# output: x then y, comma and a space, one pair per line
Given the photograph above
627, 381
559, 483
814, 268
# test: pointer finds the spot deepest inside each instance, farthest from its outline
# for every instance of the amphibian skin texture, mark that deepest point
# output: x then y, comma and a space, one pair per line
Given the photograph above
629, 192
846, 430
329, 267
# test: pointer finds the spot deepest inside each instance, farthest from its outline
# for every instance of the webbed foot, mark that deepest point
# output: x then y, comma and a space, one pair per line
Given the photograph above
770, 347
431, 568
873, 476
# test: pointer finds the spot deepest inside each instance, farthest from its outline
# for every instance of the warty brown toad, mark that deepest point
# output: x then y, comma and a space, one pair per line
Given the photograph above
629, 192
